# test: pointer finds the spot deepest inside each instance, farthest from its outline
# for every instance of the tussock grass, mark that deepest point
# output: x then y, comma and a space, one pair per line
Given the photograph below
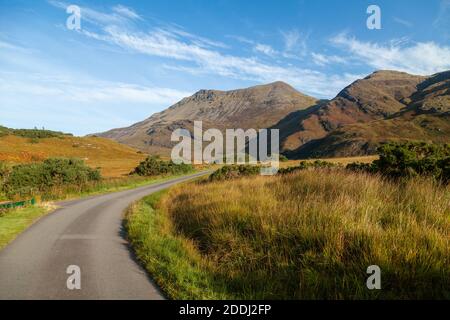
307, 235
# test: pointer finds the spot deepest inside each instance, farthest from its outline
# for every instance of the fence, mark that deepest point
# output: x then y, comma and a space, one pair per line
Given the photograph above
12, 205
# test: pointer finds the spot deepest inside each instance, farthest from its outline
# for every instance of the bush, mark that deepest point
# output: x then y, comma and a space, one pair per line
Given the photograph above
4, 171
307, 165
32, 133
34, 178
154, 166
409, 160
234, 171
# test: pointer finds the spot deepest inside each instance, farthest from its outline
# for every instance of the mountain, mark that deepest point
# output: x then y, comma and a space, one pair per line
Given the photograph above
384, 106
375, 97
256, 107
420, 113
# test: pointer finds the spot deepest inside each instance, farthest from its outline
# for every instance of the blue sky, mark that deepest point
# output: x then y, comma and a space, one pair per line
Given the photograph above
133, 58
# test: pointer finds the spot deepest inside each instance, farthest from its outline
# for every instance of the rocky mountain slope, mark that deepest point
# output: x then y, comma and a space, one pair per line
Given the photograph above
256, 107
422, 114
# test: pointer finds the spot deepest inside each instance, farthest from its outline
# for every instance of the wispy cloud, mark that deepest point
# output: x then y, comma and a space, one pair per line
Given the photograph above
87, 90
422, 58
265, 49
126, 12
295, 43
163, 43
323, 60
81, 105
403, 22
442, 21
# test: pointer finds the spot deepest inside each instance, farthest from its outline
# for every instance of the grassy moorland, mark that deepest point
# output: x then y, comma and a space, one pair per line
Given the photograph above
310, 234
113, 159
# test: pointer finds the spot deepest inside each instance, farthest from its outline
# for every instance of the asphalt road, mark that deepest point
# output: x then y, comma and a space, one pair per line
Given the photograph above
87, 233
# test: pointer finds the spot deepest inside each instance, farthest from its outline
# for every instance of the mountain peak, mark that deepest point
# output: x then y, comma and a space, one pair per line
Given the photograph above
390, 74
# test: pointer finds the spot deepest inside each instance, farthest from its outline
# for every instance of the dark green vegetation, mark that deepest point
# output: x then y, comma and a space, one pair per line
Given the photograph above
41, 178
398, 160
317, 164
228, 172
154, 166
33, 134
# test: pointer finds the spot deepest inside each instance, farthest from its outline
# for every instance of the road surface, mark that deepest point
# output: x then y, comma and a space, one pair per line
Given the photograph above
87, 233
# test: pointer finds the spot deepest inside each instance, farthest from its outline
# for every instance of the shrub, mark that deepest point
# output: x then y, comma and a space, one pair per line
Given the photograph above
409, 160
307, 165
29, 179
234, 171
283, 158
153, 166
32, 133
4, 171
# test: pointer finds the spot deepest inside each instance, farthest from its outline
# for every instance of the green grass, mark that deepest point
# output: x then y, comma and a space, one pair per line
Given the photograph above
307, 235
13, 222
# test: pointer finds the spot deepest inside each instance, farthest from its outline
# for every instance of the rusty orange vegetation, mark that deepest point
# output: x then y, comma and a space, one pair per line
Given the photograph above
113, 159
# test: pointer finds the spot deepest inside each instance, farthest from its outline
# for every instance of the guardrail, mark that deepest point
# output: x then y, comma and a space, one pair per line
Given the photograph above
12, 205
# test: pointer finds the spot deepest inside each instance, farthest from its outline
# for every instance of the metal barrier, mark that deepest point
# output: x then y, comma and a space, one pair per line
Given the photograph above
12, 205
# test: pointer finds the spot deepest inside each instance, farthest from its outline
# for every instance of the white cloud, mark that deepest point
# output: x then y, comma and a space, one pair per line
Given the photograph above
322, 60
265, 49
422, 58
403, 22
126, 12
87, 90
295, 43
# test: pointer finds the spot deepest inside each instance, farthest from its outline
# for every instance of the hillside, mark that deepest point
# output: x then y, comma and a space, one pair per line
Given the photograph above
113, 158
425, 116
256, 107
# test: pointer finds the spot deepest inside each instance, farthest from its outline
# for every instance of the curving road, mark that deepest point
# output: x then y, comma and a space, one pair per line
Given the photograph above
87, 233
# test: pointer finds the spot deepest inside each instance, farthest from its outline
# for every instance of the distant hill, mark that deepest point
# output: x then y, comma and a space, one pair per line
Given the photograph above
29, 145
384, 106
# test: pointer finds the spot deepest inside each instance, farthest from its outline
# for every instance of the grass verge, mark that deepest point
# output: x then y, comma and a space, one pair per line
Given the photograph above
173, 261
307, 235
13, 222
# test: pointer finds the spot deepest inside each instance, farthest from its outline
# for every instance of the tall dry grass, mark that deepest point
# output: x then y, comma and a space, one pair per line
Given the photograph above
312, 234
